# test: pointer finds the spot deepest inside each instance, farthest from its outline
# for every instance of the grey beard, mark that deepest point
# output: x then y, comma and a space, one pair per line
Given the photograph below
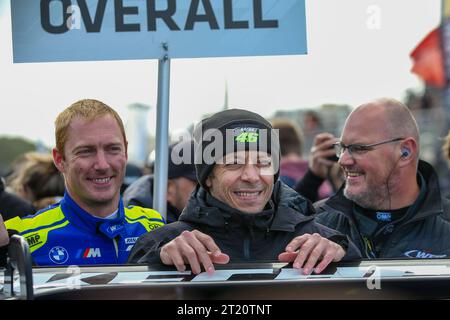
370, 199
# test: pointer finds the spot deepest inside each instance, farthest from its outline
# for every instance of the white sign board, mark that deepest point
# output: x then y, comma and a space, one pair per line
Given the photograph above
86, 30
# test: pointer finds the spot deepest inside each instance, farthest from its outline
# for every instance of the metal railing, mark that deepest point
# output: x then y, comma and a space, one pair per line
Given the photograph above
19, 260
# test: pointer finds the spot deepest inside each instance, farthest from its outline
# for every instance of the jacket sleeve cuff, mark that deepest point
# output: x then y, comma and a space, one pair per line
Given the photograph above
340, 240
352, 252
313, 179
309, 185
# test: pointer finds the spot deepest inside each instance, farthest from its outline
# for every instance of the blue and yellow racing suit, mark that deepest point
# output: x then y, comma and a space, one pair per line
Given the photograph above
65, 234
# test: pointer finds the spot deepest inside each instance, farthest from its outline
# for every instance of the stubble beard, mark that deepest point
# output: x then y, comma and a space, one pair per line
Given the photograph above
370, 198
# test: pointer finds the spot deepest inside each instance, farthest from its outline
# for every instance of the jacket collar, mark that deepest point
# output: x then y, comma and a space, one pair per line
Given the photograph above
84, 220
288, 209
432, 203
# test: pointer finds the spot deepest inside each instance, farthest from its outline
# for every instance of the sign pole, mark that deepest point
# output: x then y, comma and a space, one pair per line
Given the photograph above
162, 135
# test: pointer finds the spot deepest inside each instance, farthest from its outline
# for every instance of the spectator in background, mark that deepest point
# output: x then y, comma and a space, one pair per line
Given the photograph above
292, 166
181, 182
322, 167
18, 166
132, 174
446, 148
312, 126
391, 204
90, 225
12, 205
39, 181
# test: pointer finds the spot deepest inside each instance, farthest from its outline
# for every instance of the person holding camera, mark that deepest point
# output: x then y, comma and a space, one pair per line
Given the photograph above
293, 166
322, 168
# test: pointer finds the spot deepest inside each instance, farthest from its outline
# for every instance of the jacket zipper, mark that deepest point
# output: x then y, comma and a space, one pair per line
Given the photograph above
362, 245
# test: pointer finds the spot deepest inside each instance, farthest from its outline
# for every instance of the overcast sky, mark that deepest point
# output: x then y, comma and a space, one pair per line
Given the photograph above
352, 58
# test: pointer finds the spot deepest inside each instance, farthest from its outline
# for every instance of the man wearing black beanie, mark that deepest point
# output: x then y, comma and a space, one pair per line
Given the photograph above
240, 212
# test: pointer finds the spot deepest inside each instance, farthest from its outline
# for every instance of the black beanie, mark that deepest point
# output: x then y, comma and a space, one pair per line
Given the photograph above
239, 130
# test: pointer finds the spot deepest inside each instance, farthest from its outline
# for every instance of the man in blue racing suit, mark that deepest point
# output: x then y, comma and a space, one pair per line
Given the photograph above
89, 225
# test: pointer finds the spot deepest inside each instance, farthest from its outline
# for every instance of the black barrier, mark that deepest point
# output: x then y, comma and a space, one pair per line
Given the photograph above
19, 259
386, 279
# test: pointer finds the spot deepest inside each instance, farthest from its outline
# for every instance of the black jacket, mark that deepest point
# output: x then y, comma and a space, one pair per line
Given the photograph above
12, 206
308, 186
244, 237
424, 231
140, 193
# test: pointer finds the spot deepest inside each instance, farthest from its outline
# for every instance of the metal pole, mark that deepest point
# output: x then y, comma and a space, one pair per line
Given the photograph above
162, 136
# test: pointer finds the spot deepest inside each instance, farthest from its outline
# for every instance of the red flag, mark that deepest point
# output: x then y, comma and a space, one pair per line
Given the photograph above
428, 59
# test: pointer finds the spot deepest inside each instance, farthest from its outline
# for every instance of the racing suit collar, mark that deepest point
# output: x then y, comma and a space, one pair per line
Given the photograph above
83, 219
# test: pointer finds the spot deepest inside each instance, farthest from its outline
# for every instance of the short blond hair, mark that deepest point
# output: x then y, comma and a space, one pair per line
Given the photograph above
88, 109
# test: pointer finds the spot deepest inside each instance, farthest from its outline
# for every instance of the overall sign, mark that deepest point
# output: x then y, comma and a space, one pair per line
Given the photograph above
81, 30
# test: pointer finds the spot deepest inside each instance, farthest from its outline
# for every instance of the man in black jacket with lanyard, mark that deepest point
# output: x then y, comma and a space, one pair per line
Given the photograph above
390, 205
240, 212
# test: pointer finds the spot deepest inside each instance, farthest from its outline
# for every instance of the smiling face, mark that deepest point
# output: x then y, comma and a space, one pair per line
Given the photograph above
93, 163
368, 173
244, 182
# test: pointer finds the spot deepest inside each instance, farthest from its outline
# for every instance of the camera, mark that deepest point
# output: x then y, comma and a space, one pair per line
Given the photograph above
333, 158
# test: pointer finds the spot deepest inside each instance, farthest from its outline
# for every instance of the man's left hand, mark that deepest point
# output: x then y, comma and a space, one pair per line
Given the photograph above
306, 250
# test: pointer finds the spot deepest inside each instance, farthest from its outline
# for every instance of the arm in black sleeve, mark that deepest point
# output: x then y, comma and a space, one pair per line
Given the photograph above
351, 250
309, 186
148, 247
